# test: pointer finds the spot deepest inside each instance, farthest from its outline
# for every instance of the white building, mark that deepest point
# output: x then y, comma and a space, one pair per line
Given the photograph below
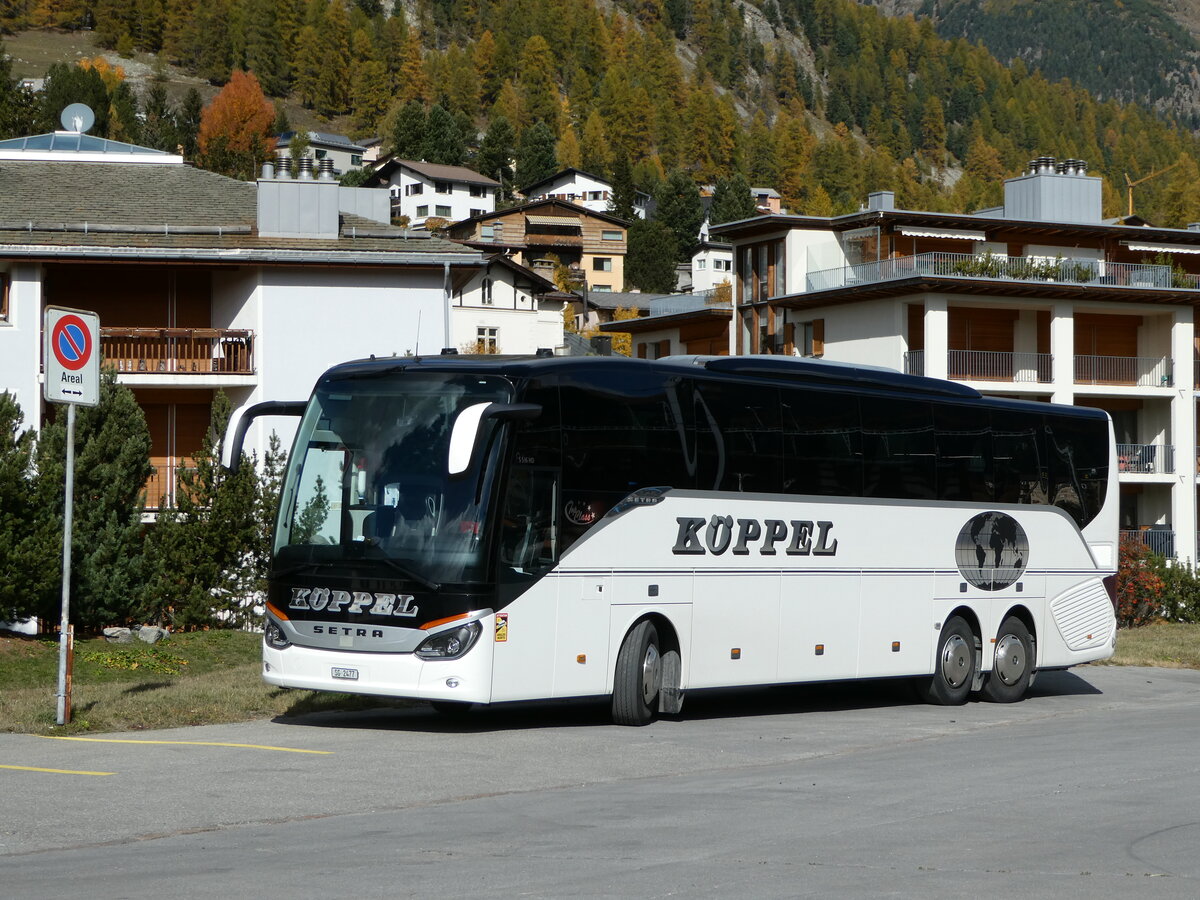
203, 283
712, 265
507, 308
421, 190
343, 152
583, 189
1039, 299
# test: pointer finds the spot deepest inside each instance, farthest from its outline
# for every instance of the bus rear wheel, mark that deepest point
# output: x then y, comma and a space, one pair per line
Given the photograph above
1012, 666
638, 678
954, 667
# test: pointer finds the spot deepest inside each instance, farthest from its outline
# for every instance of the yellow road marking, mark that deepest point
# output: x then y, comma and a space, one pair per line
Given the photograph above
55, 771
55, 737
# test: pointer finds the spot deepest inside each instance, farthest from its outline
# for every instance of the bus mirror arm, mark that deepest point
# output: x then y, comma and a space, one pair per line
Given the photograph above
460, 462
268, 408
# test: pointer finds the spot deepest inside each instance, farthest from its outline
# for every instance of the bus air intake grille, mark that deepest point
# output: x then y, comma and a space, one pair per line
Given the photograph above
1084, 616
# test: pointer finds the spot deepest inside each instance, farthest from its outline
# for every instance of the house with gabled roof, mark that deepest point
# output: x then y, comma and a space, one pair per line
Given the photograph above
507, 308
421, 190
592, 244
583, 188
205, 283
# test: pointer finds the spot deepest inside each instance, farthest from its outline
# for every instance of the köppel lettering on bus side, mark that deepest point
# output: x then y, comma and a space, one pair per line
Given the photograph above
799, 537
323, 599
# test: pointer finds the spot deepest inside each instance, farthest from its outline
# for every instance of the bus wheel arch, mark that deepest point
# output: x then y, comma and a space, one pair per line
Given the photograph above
956, 663
1014, 659
647, 673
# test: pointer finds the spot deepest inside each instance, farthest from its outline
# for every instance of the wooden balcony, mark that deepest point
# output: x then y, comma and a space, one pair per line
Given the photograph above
162, 488
179, 351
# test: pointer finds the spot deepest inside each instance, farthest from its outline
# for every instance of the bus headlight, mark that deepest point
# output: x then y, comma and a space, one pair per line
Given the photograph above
450, 644
274, 637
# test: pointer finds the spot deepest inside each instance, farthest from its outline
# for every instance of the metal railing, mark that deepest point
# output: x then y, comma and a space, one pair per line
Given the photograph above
1142, 371
682, 303
991, 267
914, 362
191, 351
1158, 539
163, 487
993, 365
1146, 459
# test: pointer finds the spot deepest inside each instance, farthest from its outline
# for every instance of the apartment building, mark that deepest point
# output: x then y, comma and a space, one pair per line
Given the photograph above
204, 283
507, 308
584, 189
592, 244
421, 190
1038, 299
342, 152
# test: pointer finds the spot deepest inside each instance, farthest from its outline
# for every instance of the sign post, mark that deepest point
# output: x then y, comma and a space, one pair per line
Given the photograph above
72, 366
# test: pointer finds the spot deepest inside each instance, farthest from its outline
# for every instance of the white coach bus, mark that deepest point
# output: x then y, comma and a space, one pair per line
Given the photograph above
471, 530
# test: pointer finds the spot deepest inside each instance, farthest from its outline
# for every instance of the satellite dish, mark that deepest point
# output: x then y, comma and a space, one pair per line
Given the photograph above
78, 117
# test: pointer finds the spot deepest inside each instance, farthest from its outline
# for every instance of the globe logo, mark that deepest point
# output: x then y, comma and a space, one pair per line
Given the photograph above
992, 551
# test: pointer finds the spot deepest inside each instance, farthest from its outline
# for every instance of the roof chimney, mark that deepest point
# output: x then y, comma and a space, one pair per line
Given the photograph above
1054, 191
881, 200
326, 169
306, 168
283, 165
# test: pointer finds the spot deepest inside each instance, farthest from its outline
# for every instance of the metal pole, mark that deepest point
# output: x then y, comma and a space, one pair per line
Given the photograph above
69, 491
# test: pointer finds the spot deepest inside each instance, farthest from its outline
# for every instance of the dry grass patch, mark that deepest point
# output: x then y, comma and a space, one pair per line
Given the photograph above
1169, 644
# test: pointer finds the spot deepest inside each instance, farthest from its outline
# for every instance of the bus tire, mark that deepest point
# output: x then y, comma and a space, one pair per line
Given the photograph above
638, 677
1012, 665
954, 667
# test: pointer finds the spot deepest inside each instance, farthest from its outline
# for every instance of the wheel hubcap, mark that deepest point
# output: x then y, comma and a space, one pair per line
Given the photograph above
956, 661
651, 674
1010, 659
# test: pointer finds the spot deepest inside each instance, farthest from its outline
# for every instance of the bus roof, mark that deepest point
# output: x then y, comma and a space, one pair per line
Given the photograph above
799, 371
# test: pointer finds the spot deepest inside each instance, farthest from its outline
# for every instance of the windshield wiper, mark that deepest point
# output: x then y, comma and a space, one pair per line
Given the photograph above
298, 567
406, 572
386, 560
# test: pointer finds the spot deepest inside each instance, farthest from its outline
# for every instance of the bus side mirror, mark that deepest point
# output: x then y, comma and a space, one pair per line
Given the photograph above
269, 408
464, 436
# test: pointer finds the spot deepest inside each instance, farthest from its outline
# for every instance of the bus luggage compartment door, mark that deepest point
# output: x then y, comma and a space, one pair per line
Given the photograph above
581, 651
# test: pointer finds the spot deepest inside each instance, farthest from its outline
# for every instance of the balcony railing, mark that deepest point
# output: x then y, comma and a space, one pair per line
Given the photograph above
1142, 371
987, 365
191, 351
991, 365
990, 267
1159, 539
162, 488
1146, 459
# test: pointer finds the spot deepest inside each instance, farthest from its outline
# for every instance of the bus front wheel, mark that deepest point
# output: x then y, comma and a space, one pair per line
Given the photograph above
1013, 663
954, 667
638, 676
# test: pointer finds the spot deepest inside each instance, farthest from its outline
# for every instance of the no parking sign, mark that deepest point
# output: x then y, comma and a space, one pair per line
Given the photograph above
72, 356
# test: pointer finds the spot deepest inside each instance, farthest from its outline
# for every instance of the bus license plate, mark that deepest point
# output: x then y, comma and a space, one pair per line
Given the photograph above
348, 674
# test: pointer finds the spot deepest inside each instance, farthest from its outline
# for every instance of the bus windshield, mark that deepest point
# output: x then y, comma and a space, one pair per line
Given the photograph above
368, 485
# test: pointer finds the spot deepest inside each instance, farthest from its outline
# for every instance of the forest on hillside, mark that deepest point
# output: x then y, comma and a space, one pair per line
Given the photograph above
825, 100
1125, 50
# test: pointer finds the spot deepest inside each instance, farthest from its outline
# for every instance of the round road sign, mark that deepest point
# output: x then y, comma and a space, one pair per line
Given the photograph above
71, 342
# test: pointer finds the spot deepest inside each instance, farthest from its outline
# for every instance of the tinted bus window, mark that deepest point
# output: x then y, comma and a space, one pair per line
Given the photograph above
964, 453
1018, 460
747, 435
619, 434
1077, 454
898, 448
822, 443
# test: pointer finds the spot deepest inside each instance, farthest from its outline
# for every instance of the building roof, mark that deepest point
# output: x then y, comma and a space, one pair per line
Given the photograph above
164, 212
537, 204
570, 171
336, 141
60, 143
618, 299
432, 171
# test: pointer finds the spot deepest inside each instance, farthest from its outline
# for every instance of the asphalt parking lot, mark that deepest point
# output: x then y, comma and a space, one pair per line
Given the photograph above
1089, 788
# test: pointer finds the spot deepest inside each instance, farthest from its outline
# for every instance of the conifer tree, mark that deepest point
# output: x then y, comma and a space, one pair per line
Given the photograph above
408, 137
679, 208
650, 259
731, 201
624, 193
159, 129
567, 150
306, 66
496, 152
112, 463
72, 84
535, 154
264, 51
188, 120
27, 545
536, 82
123, 122
414, 85
442, 143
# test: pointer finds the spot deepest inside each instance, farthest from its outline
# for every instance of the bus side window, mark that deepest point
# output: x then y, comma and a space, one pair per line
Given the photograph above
529, 526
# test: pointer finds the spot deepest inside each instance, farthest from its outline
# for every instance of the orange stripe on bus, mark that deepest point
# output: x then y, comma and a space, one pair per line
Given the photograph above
436, 622
279, 614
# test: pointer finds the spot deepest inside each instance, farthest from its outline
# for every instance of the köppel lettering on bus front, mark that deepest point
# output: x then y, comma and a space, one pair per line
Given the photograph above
323, 599
798, 537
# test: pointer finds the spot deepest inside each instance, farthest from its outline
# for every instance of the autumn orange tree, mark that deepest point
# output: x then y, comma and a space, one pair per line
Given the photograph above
235, 129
